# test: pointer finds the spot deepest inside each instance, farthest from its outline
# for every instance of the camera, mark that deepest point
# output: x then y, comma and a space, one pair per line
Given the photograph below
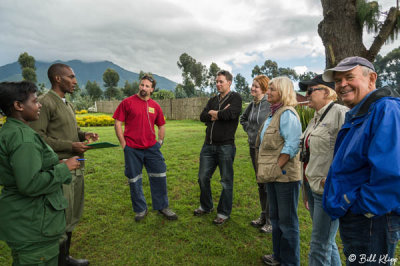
305, 156
304, 152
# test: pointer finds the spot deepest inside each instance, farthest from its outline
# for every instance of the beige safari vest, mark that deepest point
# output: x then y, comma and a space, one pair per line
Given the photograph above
269, 150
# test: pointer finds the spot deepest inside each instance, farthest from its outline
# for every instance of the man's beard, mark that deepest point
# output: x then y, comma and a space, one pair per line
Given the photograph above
143, 93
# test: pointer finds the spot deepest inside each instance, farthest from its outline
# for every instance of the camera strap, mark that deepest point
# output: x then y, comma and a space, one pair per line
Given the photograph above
304, 146
326, 111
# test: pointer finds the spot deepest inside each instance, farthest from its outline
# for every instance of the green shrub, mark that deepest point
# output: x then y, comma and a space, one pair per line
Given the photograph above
305, 114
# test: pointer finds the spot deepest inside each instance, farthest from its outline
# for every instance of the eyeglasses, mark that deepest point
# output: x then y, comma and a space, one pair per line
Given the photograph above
311, 90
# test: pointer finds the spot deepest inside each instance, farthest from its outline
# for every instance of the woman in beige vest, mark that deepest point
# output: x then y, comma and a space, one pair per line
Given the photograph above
279, 167
316, 154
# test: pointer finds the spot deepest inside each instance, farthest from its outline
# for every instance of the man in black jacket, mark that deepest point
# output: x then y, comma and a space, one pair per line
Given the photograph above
221, 116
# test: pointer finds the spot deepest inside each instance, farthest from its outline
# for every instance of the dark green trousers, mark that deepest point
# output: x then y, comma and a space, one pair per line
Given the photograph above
74, 193
35, 254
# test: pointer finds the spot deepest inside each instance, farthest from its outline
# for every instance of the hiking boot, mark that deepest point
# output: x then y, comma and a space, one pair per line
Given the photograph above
140, 215
70, 261
199, 212
219, 220
270, 260
266, 229
170, 215
260, 221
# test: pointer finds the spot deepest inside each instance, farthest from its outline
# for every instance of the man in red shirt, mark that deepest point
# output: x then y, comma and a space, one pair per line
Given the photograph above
140, 113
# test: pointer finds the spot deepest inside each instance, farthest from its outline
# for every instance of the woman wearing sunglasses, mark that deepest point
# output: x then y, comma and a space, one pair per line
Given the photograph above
316, 154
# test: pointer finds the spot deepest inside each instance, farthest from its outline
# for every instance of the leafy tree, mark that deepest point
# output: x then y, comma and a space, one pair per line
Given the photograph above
94, 91
41, 89
130, 89
162, 95
180, 92
26, 60
112, 93
111, 78
242, 87
29, 74
142, 73
189, 88
212, 75
271, 70
341, 30
194, 74
307, 75
388, 69
27, 63
83, 102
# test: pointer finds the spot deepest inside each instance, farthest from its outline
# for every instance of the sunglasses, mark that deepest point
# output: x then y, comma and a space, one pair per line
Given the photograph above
311, 90
148, 78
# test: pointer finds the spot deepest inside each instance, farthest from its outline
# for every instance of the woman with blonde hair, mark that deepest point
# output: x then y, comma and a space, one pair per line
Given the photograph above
316, 154
278, 165
251, 120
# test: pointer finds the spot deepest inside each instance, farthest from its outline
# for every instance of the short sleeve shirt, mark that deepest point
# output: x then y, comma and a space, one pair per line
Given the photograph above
139, 116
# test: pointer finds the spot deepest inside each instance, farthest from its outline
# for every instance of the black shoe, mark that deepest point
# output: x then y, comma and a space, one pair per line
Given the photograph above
140, 215
219, 220
169, 214
199, 212
266, 229
63, 253
270, 260
70, 260
77, 262
258, 222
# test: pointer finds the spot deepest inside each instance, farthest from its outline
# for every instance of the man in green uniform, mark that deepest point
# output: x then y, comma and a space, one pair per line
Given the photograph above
57, 126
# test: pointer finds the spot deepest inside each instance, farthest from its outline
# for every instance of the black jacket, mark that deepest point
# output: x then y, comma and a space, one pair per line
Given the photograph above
222, 131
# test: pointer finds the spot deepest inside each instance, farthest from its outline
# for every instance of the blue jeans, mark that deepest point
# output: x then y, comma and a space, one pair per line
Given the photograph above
153, 160
212, 156
283, 200
323, 248
369, 241
310, 197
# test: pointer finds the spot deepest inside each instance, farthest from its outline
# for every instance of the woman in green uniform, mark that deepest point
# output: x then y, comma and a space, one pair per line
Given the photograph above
32, 204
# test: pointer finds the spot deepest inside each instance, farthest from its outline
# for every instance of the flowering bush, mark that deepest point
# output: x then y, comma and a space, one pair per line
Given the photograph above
81, 112
2, 120
94, 121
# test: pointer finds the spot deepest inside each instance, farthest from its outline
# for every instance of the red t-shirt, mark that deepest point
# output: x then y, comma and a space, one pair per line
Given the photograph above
139, 117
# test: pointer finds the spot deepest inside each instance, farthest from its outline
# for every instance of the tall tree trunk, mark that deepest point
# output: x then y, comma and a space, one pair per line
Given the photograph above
340, 31
342, 34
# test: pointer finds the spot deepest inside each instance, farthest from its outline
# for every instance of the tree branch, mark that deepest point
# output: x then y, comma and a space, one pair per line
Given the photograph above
387, 28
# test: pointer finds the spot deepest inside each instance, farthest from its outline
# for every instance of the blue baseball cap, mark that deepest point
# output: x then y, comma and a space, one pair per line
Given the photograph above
345, 65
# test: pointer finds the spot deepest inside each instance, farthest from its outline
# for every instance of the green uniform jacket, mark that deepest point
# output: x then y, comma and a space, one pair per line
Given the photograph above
57, 125
31, 201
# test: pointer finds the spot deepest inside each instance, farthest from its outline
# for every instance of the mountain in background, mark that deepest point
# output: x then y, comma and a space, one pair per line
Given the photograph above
84, 71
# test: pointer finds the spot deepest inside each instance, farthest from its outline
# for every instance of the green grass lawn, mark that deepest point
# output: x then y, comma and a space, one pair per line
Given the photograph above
108, 234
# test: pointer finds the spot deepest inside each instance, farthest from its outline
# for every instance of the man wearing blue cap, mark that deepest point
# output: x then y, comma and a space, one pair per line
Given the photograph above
362, 187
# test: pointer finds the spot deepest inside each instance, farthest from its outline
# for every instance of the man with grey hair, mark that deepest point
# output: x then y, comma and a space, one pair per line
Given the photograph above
362, 187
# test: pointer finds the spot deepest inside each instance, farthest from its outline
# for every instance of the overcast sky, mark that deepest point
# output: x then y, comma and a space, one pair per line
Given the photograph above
150, 35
